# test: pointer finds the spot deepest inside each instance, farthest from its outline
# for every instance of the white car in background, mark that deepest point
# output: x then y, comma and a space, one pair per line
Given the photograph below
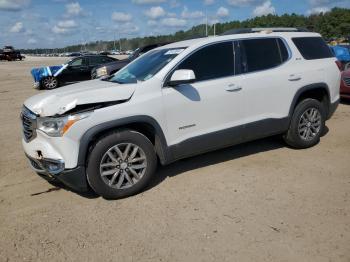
181, 100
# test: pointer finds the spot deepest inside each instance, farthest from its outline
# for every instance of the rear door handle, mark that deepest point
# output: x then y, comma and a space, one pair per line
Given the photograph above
294, 77
233, 88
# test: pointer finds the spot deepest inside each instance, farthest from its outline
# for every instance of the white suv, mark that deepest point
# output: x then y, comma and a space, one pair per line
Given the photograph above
180, 100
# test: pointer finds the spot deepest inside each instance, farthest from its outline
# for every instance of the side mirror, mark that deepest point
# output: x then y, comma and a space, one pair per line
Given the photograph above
182, 76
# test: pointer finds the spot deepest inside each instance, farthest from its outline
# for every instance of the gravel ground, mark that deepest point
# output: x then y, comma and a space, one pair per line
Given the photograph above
260, 201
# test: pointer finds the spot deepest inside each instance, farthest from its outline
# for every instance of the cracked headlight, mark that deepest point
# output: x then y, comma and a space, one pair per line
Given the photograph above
102, 71
58, 126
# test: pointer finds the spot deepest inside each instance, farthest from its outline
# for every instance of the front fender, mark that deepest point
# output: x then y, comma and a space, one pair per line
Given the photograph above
160, 143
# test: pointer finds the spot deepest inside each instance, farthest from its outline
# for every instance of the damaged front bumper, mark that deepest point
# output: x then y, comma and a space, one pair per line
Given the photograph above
36, 85
54, 169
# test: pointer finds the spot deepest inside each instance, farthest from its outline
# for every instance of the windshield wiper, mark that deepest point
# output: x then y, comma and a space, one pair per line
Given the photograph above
118, 82
108, 79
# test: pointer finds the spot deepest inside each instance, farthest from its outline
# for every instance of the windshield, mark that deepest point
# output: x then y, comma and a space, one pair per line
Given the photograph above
146, 66
68, 61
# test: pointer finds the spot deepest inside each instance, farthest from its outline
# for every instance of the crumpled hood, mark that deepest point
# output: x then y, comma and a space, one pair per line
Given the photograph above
61, 100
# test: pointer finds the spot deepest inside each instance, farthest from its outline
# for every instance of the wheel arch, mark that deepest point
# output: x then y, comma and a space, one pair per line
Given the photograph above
318, 91
146, 125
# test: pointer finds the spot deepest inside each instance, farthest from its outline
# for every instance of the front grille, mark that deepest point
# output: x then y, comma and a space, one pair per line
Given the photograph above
28, 124
347, 81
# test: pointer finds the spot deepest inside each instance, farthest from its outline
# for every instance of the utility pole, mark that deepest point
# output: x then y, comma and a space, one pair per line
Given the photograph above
206, 22
114, 42
120, 44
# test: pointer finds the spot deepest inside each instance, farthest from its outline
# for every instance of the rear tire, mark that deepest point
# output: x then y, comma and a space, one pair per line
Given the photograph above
307, 124
121, 164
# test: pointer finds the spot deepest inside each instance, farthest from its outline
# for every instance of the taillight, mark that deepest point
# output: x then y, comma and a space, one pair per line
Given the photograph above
340, 65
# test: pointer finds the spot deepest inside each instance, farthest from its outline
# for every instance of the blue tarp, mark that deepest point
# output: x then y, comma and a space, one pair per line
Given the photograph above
342, 53
42, 72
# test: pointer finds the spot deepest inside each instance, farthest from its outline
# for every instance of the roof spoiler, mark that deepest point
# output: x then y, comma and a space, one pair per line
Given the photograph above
264, 29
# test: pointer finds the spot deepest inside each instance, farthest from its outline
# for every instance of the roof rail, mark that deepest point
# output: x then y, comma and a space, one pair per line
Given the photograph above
262, 29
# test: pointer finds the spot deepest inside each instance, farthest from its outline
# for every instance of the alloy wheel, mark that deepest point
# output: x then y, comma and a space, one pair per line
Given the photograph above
123, 165
309, 124
50, 82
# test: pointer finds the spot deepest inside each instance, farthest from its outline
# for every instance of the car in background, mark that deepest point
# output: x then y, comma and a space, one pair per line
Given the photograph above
75, 70
345, 84
342, 52
74, 54
105, 53
113, 67
16, 56
10, 54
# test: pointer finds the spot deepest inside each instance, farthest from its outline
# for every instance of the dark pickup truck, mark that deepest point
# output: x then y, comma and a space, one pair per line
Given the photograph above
10, 54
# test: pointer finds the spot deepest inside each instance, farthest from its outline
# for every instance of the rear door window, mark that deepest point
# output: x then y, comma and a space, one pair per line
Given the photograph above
312, 48
261, 54
97, 60
210, 62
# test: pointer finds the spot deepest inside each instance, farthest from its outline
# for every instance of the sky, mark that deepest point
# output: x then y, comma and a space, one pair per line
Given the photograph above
58, 23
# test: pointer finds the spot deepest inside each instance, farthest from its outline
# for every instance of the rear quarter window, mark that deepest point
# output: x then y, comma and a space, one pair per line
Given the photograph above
312, 48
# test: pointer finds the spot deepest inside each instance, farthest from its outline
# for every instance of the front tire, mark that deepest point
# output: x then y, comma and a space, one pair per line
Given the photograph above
50, 82
307, 124
121, 164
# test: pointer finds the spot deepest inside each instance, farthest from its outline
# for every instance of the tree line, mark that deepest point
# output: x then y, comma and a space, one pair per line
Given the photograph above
331, 25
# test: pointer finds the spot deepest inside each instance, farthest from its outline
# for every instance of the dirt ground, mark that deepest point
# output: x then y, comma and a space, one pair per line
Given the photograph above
260, 201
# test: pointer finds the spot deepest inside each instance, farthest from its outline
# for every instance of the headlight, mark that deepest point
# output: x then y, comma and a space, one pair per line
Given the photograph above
102, 71
59, 126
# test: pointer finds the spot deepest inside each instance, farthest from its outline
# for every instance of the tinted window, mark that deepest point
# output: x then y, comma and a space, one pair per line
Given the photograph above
312, 48
262, 54
107, 59
96, 60
211, 62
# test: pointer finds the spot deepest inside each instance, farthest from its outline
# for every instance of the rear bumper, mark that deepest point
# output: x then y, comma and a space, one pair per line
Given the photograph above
54, 170
36, 85
345, 95
344, 90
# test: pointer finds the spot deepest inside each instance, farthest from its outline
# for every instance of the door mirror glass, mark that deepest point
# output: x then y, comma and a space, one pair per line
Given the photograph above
182, 76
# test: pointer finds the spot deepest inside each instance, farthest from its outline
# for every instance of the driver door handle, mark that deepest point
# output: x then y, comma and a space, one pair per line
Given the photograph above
294, 77
233, 88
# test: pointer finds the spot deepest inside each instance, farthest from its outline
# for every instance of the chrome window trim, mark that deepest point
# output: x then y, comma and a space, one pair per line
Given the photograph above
165, 79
